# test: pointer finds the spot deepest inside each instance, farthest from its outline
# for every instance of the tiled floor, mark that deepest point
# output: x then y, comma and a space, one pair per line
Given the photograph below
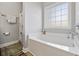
14, 50
24, 54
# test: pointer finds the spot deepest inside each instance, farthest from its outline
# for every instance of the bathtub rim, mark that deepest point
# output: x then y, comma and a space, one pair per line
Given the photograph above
71, 50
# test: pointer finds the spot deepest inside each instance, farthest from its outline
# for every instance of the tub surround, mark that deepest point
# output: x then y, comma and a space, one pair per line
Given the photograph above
71, 51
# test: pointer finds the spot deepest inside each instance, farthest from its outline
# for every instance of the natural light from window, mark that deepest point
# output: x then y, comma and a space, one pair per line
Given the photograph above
57, 16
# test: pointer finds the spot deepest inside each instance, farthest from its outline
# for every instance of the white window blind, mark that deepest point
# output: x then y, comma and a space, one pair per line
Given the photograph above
57, 16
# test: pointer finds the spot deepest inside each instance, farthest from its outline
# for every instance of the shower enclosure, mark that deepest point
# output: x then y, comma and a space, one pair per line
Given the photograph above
7, 35
9, 26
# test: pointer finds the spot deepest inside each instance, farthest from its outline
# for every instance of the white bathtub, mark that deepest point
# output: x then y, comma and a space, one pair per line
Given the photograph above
51, 45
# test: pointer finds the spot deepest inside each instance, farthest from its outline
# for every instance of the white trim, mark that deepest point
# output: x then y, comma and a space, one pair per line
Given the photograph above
8, 43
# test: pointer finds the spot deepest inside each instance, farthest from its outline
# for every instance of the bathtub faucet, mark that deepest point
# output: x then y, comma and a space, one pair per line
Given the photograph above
44, 32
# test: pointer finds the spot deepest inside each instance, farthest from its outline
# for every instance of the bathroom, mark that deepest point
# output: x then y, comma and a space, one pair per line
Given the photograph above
39, 28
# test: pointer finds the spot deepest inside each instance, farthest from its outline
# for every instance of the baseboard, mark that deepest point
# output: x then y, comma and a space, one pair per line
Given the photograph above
8, 43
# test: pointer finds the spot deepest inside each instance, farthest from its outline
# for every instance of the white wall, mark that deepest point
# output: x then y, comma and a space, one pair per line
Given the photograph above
77, 13
32, 15
76, 42
12, 9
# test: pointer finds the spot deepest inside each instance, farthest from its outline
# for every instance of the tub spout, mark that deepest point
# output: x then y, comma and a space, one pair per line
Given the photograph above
44, 32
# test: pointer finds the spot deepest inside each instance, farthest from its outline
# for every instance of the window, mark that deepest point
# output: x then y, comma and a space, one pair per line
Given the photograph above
56, 16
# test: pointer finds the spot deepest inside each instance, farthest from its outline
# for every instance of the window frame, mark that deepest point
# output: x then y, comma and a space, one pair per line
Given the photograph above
54, 5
